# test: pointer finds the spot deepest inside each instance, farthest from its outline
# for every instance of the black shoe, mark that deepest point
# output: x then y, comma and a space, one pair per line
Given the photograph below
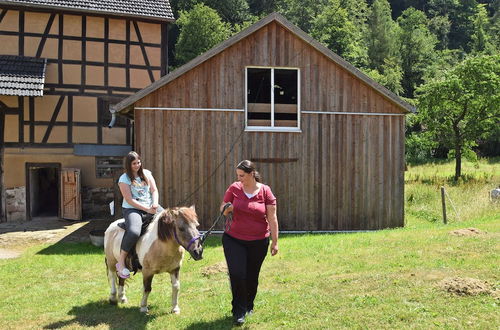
239, 320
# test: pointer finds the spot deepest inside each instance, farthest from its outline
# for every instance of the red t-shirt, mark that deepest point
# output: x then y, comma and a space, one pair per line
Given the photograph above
249, 214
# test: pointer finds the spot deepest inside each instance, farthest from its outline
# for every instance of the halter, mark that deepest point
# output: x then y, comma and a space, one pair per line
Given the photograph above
190, 242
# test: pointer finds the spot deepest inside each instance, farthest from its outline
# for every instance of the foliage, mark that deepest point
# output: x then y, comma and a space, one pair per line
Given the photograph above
333, 28
382, 36
201, 29
389, 76
417, 48
481, 40
464, 106
232, 11
301, 12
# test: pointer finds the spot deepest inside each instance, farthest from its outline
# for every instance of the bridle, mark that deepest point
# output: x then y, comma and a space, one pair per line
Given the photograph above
203, 236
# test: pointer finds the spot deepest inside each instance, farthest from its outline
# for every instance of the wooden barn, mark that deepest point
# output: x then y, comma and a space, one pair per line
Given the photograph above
61, 64
326, 138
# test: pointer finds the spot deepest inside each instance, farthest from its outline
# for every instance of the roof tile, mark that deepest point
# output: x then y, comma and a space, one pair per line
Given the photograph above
157, 9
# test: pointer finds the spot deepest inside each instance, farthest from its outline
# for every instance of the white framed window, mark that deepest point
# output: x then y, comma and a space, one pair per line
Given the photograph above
272, 100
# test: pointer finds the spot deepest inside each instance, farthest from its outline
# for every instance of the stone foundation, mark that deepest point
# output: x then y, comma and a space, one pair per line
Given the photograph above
95, 203
15, 204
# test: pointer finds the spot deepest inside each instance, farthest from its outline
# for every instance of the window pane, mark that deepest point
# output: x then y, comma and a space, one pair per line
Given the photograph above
259, 97
259, 85
285, 98
285, 86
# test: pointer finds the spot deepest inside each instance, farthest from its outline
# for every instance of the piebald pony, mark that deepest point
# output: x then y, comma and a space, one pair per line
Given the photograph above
159, 250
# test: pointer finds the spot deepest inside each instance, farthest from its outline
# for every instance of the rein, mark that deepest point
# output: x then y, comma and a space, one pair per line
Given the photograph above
204, 236
221, 215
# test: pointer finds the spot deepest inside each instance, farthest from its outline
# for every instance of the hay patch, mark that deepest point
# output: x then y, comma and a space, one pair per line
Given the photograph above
217, 268
467, 286
467, 232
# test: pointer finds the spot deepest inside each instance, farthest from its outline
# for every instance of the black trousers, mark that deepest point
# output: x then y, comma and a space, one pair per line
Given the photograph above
244, 259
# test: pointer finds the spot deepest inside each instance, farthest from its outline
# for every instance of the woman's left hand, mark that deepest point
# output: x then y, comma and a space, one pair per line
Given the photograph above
274, 249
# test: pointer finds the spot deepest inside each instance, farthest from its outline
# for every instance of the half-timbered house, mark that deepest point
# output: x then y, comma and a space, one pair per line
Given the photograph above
328, 139
62, 63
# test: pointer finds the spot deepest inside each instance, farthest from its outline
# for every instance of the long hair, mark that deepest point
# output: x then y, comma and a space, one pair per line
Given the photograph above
131, 156
249, 167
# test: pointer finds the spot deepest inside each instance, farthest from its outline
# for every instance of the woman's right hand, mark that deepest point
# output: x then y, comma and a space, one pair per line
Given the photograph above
151, 210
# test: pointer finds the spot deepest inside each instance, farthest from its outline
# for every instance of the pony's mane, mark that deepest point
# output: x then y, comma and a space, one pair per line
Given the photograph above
166, 223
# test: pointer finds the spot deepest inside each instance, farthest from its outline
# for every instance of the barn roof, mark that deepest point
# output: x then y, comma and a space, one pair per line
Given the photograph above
126, 104
153, 9
22, 76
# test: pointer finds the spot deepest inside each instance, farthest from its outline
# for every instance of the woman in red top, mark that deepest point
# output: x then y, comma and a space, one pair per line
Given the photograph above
246, 237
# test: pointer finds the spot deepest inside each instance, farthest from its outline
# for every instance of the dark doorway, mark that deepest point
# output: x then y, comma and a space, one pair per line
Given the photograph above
42, 191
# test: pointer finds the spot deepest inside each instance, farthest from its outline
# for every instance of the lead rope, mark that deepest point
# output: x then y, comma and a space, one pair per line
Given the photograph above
221, 215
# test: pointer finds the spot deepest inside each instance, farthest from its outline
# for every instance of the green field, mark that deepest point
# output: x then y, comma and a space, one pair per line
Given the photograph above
372, 280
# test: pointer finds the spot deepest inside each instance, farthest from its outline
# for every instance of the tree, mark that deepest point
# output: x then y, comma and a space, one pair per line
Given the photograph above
357, 13
201, 28
417, 48
464, 106
382, 38
232, 11
301, 12
333, 28
481, 40
389, 76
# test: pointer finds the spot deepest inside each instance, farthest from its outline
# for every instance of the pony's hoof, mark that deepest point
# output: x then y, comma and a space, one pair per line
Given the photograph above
113, 302
176, 310
124, 300
144, 309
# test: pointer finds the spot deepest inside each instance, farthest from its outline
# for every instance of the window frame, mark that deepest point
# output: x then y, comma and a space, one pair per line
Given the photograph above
272, 128
112, 167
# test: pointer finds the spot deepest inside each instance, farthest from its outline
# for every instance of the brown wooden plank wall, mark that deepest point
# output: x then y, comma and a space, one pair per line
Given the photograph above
342, 172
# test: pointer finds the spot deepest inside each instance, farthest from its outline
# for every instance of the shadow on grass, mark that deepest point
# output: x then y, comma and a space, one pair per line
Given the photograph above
222, 323
62, 248
102, 313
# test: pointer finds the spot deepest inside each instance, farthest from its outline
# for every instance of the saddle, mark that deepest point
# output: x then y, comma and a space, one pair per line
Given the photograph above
132, 260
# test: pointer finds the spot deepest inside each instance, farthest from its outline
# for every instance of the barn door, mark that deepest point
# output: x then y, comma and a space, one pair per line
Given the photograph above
71, 200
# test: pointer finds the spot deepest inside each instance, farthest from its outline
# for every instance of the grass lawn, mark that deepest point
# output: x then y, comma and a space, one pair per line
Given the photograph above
384, 279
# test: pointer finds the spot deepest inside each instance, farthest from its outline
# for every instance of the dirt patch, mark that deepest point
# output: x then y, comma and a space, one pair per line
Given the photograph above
467, 286
467, 232
9, 254
220, 267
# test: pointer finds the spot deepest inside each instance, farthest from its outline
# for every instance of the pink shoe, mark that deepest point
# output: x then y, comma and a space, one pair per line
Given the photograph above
123, 273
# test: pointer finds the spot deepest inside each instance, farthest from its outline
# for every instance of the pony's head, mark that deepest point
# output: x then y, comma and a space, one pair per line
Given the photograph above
180, 224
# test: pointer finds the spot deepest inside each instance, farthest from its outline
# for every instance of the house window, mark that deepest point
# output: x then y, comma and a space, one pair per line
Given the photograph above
105, 166
272, 100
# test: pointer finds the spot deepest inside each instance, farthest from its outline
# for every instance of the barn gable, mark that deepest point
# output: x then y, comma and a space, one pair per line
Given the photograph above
333, 152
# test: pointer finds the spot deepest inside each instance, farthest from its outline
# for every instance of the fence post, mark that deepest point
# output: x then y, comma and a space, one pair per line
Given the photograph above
443, 202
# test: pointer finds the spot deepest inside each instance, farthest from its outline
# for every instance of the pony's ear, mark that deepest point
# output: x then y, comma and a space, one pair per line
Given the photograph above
192, 208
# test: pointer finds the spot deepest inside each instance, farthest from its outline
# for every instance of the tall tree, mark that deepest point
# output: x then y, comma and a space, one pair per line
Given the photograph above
462, 25
231, 11
262, 7
301, 12
334, 29
417, 48
382, 38
358, 12
201, 28
464, 106
481, 40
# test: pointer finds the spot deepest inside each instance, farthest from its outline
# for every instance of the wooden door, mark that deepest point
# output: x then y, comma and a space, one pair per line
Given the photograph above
71, 199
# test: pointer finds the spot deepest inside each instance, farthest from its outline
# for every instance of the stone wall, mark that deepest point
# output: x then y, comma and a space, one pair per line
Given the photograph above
95, 203
15, 204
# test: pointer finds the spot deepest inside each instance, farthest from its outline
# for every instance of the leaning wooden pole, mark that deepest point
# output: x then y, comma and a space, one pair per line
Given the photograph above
443, 202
